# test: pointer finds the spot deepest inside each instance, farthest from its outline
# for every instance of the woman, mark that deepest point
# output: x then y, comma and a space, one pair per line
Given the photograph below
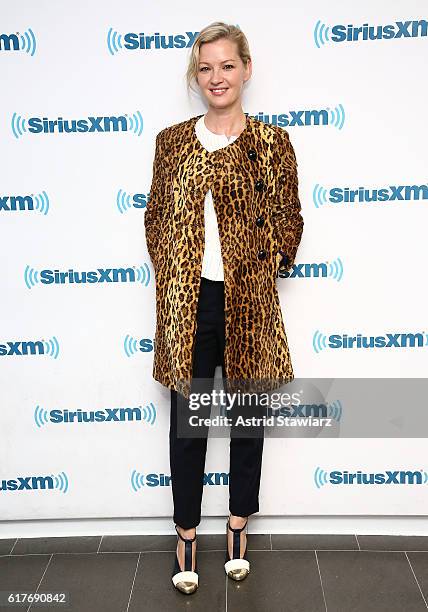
222, 219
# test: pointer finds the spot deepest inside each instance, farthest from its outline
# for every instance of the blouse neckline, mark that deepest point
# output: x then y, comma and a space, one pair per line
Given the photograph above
218, 140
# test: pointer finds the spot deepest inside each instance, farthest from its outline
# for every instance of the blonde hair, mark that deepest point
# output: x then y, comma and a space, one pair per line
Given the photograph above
211, 33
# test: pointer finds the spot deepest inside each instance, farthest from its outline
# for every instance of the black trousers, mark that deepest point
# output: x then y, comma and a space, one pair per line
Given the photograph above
187, 455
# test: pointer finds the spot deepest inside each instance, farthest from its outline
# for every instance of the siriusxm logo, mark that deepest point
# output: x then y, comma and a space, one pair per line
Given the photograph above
35, 483
140, 274
125, 201
132, 346
390, 340
147, 42
350, 33
19, 42
39, 202
19, 348
388, 477
139, 480
347, 195
138, 413
325, 116
332, 269
44, 125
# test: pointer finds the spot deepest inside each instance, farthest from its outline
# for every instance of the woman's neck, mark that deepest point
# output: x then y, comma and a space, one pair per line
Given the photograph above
228, 123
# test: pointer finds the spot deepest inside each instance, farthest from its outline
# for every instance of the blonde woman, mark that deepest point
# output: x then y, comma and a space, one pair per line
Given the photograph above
222, 220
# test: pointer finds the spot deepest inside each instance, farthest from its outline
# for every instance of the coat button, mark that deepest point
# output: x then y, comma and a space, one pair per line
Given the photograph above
259, 185
260, 221
252, 154
284, 260
262, 254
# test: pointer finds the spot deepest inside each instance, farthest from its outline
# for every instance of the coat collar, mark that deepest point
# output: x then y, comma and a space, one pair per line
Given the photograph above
181, 142
209, 139
245, 141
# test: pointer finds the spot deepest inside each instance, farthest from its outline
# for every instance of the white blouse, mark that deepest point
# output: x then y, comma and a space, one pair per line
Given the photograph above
212, 263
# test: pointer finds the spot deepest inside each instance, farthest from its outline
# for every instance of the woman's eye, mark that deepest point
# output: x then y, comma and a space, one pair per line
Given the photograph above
203, 68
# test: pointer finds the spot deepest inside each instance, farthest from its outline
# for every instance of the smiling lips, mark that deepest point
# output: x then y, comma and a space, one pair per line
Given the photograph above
219, 91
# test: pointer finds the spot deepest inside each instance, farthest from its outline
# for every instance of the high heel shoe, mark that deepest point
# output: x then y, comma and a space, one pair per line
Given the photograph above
185, 580
236, 568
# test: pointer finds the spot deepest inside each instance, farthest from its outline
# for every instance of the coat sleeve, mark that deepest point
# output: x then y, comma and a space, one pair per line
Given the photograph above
155, 204
286, 208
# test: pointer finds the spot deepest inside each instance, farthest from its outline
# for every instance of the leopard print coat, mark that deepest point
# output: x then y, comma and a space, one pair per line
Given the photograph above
255, 193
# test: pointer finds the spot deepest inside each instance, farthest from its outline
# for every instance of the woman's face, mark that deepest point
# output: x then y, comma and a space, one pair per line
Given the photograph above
221, 73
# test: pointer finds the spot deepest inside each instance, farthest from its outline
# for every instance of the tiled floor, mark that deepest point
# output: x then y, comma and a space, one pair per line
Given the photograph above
289, 573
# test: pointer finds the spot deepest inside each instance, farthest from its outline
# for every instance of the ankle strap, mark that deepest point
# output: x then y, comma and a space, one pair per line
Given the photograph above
236, 529
184, 539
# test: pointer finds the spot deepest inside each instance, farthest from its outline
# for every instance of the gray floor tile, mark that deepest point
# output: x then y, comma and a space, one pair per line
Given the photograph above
96, 583
212, 542
138, 543
390, 542
153, 589
419, 563
6, 546
21, 574
369, 582
25, 546
296, 541
279, 581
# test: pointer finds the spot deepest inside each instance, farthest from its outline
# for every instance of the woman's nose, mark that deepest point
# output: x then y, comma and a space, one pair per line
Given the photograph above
216, 77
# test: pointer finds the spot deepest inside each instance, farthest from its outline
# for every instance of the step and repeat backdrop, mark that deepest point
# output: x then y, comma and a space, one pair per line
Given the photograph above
85, 88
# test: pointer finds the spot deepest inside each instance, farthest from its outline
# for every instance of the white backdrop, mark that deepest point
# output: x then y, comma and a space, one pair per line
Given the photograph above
75, 201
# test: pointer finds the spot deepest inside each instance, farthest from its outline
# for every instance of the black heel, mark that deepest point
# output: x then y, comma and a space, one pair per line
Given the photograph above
186, 580
236, 568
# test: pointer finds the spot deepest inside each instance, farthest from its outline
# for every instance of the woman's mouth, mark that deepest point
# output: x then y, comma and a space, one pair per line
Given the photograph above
218, 91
